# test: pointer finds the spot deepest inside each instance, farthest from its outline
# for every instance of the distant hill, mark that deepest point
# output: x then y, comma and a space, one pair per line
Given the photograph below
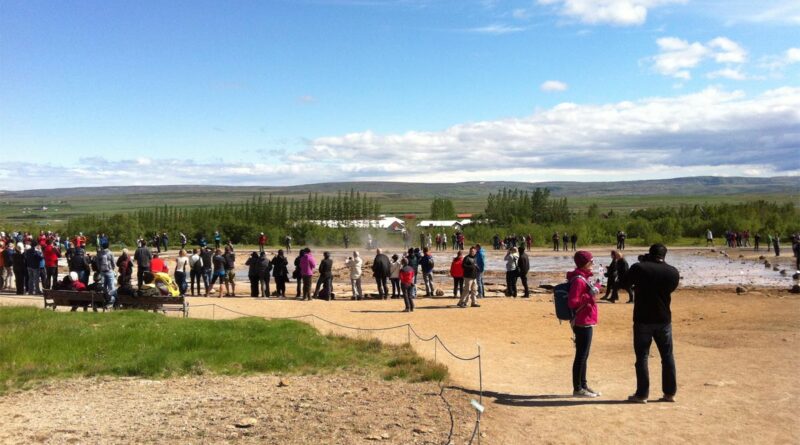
691, 186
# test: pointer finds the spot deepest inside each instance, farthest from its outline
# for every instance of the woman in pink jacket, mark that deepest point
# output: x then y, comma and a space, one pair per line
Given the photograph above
582, 300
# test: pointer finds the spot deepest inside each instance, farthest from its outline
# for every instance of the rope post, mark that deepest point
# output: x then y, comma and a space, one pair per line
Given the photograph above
435, 347
213, 311
480, 376
408, 334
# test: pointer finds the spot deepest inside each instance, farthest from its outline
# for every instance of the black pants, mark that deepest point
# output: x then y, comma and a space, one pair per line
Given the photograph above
327, 282
643, 335
511, 283
299, 286
615, 292
253, 285
139, 274
51, 277
280, 284
397, 291
383, 288
523, 278
194, 279
307, 287
555, 245
583, 343
458, 286
263, 281
20, 277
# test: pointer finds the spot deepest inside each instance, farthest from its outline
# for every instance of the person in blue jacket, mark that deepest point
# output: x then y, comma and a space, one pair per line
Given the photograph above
480, 259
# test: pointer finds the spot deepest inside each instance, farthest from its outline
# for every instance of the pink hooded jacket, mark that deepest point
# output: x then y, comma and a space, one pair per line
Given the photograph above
580, 299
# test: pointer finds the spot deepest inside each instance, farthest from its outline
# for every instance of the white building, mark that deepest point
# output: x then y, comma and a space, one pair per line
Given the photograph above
451, 223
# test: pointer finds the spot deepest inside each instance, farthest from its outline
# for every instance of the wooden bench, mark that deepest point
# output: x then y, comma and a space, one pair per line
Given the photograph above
74, 299
164, 304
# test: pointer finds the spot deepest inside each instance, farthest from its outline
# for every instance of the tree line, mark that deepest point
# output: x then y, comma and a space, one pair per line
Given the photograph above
239, 222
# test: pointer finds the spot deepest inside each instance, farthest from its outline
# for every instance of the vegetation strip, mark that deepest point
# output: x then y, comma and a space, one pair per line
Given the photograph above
38, 344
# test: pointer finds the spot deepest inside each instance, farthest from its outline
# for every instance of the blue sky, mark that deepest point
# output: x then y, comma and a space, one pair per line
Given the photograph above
297, 91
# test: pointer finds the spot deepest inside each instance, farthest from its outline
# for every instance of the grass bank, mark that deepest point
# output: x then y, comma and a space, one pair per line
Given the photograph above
36, 344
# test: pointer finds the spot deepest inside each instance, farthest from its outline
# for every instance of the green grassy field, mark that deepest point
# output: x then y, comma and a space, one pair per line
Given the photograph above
36, 344
60, 209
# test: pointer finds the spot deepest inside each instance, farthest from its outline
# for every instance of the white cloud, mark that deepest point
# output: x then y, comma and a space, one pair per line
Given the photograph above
727, 73
728, 51
712, 131
307, 99
792, 56
710, 128
553, 85
677, 57
497, 29
777, 63
774, 11
520, 14
615, 12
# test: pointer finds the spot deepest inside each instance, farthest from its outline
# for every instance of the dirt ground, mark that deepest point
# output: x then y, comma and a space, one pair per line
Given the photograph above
332, 409
737, 356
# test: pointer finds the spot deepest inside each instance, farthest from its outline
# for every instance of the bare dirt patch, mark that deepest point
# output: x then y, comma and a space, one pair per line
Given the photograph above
333, 409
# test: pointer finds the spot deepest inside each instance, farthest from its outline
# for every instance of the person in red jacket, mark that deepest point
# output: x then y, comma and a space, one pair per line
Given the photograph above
457, 272
158, 265
51, 255
407, 282
583, 300
262, 241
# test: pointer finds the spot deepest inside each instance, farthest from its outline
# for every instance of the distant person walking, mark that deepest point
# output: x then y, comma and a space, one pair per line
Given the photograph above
427, 264
776, 243
480, 261
407, 282
355, 264
181, 266
195, 271
654, 281
709, 238
230, 271
523, 267
457, 272
280, 271
381, 268
143, 257
574, 240
394, 276
511, 259
218, 262
470, 267
325, 280
307, 266
555, 239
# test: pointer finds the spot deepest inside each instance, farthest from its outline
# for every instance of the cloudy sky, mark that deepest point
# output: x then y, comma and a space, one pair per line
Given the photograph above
279, 92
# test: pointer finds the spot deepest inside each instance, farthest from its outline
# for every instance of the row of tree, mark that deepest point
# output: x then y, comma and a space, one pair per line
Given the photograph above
511, 206
239, 222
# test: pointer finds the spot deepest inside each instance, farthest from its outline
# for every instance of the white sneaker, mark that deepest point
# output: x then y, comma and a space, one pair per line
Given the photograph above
583, 392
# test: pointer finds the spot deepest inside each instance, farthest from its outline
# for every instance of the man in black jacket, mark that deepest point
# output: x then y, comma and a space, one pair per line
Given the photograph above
381, 268
654, 281
325, 275
523, 266
142, 256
